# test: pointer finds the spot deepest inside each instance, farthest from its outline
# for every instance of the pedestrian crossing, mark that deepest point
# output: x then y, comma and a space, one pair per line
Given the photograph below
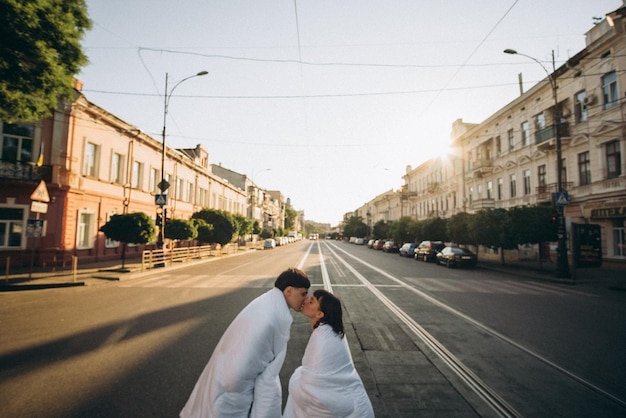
201, 281
507, 287
504, 287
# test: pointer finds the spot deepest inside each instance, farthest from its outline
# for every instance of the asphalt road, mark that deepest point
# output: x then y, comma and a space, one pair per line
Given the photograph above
427, 341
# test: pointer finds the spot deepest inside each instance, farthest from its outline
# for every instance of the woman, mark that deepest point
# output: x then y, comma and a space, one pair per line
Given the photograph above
327, 384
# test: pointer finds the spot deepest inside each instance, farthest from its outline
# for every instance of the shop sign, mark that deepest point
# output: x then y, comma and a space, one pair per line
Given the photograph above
615, 212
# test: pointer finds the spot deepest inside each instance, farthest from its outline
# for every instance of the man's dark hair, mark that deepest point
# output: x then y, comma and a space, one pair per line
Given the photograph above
292, 277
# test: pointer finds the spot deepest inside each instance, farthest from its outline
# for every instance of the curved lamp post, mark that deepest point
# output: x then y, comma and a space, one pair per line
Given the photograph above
163, 185
562, 264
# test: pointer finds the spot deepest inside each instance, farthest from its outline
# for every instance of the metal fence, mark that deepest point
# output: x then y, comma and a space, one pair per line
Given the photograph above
166, 257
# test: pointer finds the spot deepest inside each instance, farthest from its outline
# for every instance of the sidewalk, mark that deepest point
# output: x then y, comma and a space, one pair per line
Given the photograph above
611, 274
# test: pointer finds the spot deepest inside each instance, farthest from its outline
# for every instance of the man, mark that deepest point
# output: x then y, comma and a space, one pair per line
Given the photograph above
241, 378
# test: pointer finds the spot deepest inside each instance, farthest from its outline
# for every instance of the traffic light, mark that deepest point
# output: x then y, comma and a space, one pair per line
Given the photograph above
165, 218
554, 218
159, 217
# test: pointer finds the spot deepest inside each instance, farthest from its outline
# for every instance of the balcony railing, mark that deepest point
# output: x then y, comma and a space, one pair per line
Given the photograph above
544, 192
17, 170
549, 132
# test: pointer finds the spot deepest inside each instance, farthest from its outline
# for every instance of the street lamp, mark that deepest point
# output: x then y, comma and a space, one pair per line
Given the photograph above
163, 185
562, 264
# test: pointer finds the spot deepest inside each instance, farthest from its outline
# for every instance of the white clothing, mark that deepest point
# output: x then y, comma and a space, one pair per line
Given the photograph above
327, 384
241, 378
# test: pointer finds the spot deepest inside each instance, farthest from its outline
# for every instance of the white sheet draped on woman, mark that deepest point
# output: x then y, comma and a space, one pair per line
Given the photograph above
327, 384
241, 378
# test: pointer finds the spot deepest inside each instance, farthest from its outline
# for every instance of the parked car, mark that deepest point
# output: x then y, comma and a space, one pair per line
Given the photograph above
456, 257
408, 249
390, 247
378, 244
370, 243
269, 244
359, 241
427, 250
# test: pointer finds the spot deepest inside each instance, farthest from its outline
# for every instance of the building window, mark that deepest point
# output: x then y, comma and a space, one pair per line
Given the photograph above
189, 192
17, 142
584, 168
581, 106
500, 186
84, 238
541, 175
12, 228
513, 184
540, 121
489, 189
90, 160
135, 177
109, 243
116, 168
498, 146
511, 135
179, 189
154, 180
609, 90
613, 160
525, 133
526, 182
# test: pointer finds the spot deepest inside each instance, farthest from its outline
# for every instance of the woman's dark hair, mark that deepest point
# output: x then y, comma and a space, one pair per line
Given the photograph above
292, 277
331, 306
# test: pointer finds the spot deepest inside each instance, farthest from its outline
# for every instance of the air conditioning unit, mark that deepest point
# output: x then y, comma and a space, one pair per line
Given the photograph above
589, 100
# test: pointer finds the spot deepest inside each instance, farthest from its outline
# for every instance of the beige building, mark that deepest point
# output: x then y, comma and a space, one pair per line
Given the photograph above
510, 159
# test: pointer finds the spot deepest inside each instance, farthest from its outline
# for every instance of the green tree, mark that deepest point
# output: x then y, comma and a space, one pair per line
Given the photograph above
533, 224
490, 227
224, 227
457, 228
134, 228
434, 229
355, 227
401, 231
380, 230
180, 230
290, 218
244, 225
40, 55
205, 230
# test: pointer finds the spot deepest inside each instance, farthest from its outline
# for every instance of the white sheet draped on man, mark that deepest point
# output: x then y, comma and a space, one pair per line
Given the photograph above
327, 384
242, 380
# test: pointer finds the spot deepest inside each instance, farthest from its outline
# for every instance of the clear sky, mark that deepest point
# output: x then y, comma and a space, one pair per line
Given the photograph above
327, 101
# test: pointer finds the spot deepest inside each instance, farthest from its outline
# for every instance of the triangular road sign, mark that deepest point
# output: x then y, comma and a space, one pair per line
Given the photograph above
41, 193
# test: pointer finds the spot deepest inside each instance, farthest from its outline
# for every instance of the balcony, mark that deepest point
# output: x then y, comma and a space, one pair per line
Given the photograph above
17, 170
482, 167
544, 192
545, 138
479, 204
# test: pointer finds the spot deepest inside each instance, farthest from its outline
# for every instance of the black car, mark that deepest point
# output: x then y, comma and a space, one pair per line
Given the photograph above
456, 257
427, 250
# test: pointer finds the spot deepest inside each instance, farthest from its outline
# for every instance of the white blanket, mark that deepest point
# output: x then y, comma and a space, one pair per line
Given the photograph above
241, 378
327, 384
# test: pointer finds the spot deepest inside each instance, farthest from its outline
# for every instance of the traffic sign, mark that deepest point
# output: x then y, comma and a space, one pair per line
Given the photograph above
163, 185
160, 199
41, 193
560, 198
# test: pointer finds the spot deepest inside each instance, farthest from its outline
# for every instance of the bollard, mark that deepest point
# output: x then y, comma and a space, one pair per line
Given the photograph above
74, 266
